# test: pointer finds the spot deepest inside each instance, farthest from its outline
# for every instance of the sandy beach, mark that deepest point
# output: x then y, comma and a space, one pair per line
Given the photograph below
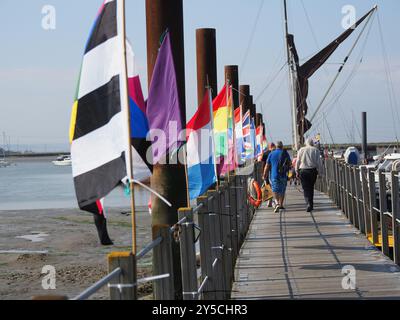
67, 240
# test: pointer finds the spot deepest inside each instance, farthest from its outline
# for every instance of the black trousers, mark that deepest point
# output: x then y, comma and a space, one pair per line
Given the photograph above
308, 178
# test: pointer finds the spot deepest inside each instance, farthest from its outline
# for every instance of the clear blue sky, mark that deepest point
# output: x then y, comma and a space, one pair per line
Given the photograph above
39, 69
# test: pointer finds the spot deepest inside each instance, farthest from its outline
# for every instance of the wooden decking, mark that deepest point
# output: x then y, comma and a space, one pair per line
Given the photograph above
297, 255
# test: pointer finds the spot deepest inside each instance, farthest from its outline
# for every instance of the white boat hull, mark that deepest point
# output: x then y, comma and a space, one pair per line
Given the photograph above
62, 163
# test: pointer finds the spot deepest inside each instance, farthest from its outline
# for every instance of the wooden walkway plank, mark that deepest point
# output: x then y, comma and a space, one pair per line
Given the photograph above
298, 255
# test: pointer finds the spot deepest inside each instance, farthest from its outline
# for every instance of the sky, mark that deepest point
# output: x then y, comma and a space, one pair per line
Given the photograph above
39, 68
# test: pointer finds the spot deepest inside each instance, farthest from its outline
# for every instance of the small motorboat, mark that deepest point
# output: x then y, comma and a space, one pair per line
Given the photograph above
64, 160
4, 163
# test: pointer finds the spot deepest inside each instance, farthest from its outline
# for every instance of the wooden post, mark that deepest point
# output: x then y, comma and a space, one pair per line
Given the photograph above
206, 259
216, 243
251, 107
365, 193
372, 204
242, 208
259, 119
226, 235
234, 209
244, 97
125, 261
361, 223
383, 209
340, 187
188, 256
364, 136
348, 199
232, 77
206, 54
254, 111
353, 197
168, 180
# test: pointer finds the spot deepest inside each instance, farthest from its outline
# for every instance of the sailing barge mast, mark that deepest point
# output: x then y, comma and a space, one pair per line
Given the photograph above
300, 74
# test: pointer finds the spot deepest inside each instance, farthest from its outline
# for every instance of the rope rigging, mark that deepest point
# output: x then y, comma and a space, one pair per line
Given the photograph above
343, 65
252, 36
336, 99
390, 87
343, 120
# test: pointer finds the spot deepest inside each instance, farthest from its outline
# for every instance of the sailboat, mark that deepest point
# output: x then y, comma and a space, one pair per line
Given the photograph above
300, 74
3, 162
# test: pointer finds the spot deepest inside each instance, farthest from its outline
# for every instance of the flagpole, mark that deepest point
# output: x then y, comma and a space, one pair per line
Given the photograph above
186, 175
126, 98
227, 84
212, 131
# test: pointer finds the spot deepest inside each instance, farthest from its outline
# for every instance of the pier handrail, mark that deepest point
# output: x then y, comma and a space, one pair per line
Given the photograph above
98, 285
369, 198
223, 219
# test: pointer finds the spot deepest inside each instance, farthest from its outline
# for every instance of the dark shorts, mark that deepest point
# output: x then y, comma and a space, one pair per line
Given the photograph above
279, 185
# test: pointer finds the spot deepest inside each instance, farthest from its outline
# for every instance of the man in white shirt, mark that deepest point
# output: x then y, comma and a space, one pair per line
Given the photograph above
307, 167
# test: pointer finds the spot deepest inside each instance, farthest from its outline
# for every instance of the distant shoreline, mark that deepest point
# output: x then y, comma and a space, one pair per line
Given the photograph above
35, 155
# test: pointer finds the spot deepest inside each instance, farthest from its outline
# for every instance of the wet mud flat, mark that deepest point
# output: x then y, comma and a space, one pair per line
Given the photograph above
65, 239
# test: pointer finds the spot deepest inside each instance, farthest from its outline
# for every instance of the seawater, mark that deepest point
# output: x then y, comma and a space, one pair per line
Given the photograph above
39, 184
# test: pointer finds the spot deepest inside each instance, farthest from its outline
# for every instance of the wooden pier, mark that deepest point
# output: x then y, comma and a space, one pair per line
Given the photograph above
298, 255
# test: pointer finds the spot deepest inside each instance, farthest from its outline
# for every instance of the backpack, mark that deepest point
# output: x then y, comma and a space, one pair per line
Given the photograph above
284, 164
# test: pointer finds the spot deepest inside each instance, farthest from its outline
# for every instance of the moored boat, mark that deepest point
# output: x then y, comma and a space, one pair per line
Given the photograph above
64, 160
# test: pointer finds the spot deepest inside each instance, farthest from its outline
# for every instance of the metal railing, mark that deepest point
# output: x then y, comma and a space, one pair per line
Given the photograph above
370, 200
224, 218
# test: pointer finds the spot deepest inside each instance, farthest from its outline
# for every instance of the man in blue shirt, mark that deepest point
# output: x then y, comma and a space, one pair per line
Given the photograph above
276, 173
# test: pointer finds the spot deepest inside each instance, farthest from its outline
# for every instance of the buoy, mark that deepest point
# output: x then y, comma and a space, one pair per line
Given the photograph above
255, 202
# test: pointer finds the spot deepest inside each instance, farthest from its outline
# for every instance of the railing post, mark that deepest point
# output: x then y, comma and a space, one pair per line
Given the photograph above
165, 288
226, 237
127, 277
233, 194
396, 217
352, 197
239, 210
246, 210
206, 256
357, 189
217, 244
347, 190
343, 189
383, 208
337, 183
365, 197
188, 255
326, 182
340, 184
372, 204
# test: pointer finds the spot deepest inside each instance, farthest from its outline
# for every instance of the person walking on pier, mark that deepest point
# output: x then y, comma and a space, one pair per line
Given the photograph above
272, 148
276, 173
307, 167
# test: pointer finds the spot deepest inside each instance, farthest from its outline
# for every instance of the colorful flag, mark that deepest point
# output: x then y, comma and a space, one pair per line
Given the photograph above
200, 150
247, 142
229, 163
221, 115
253, 139
163, 105
142, 168
239, 134
99, 125
259, 146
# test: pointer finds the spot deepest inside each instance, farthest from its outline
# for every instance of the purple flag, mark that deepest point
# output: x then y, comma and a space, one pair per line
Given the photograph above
163, 105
